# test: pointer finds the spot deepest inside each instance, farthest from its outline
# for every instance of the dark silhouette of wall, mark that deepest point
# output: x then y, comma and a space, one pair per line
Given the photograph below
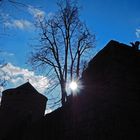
107, 108
19, 108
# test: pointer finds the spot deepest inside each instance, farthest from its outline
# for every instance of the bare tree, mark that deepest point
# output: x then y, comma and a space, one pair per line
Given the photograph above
64, 41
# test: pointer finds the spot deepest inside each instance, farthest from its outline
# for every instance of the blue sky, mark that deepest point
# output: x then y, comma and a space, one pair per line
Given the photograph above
108, 19
113, 19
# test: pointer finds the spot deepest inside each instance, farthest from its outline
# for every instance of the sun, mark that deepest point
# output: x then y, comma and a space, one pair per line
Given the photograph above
73, 86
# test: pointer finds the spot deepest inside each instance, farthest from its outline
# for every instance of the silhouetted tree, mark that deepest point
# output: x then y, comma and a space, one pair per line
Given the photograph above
64, 41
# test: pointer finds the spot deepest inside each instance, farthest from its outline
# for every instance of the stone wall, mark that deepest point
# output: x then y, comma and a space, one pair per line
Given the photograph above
19, 108
108, 108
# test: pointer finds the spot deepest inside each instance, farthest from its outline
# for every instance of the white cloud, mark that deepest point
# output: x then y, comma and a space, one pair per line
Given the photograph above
138, 32
1, 89
4, 53
37, 13
11, 22
19, 24
17, 76
4, 16
50, 15
48, 110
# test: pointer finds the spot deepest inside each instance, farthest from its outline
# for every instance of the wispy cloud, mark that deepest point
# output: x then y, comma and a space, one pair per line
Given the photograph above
138, 32
1, 89
4, 53
7, 56
17, 76
4, 16
35, 12
18, 24
11, 22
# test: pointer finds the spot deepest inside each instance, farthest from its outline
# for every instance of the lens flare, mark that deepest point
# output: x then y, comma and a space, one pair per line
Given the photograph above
73, 86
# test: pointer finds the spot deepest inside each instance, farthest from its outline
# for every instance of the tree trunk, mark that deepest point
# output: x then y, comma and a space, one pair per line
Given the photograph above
71, 70
64, 93
78, 65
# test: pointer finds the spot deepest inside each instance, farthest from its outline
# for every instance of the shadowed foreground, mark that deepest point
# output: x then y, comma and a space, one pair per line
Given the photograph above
107, 108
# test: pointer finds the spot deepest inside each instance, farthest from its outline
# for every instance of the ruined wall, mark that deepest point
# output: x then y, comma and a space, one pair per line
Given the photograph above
108, 108
19, 108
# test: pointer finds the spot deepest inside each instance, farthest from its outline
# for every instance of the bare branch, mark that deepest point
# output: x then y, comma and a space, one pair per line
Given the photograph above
64, 40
